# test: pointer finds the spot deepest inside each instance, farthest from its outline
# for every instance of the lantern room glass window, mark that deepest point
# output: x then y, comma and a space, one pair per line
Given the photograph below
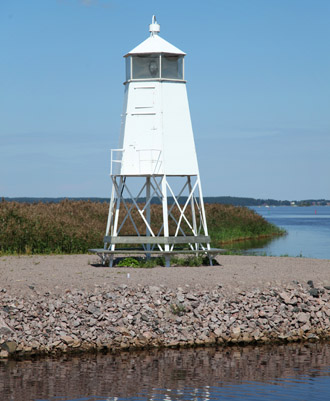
154, 66
146, 67
128, 68
172, 67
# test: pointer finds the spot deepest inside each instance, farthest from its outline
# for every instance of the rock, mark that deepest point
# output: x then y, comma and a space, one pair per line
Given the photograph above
4, 354
94, 310
285, 297
310, 283
218, 332
144, 317
235, 332
303, 317
147, 335
314, 292
4, 328
9, 346
256, 334
306, 327
180, 297
313, 336
67, 340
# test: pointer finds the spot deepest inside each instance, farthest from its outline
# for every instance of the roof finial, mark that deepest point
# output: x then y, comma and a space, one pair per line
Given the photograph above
154, 28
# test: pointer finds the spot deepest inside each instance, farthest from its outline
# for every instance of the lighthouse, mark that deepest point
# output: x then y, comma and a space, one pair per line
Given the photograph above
156, 160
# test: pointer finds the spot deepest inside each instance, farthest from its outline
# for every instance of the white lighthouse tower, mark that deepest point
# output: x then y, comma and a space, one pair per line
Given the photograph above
157, 155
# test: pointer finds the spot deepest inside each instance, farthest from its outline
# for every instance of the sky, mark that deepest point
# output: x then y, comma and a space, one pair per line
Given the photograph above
258, 82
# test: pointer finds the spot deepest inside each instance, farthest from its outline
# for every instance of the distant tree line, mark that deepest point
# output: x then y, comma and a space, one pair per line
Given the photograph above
225, 200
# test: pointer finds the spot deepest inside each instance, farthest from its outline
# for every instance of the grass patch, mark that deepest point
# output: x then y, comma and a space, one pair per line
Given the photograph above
139, 262
178, 309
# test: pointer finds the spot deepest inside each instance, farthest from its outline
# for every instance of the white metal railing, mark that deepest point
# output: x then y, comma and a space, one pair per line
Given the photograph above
112, 160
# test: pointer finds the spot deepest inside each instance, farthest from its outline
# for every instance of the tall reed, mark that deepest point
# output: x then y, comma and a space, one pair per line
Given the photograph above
75, 226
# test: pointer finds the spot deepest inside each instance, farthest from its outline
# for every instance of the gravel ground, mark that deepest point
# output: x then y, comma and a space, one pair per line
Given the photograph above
28, 275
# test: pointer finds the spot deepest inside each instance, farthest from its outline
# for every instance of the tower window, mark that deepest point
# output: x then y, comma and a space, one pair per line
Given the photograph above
146, 67
172, 67
154, 66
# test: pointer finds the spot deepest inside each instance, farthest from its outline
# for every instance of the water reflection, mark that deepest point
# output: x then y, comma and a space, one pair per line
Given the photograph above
200, 374
249, 244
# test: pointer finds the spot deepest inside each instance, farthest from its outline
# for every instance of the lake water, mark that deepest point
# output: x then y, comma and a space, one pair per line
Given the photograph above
282, 372
308, 232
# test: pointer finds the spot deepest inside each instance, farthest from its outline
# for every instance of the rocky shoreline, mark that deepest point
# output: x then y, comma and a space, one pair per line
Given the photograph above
126, 317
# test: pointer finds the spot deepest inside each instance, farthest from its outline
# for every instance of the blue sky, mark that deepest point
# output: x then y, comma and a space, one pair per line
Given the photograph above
258, 75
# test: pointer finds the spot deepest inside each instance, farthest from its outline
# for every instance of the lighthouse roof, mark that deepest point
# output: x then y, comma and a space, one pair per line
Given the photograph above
155, 44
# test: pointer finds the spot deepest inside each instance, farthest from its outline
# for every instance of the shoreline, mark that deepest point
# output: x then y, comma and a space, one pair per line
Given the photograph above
48, 309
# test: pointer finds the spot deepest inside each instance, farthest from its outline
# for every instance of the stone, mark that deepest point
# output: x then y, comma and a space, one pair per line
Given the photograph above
256, 334
285, 297
306, 327
94, 310
67, 340
303, 317
217, 332
4, 328
4, 354
147, 335
9, 346
180, 297
236, 332
314, 292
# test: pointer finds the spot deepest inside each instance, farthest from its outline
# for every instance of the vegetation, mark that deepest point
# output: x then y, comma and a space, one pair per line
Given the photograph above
225, 200
76, 226
178, 309
229, 223
160, 261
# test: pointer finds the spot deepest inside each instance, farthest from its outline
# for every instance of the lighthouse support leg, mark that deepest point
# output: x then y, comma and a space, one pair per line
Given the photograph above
148, 213
203, 216
109, 228
193, 215
165, 220
116, 218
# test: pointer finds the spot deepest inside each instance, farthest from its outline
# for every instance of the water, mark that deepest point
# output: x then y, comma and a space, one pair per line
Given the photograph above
308, 232
286, 372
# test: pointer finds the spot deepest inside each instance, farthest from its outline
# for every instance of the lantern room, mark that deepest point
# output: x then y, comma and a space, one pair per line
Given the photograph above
155, 59
154, 66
